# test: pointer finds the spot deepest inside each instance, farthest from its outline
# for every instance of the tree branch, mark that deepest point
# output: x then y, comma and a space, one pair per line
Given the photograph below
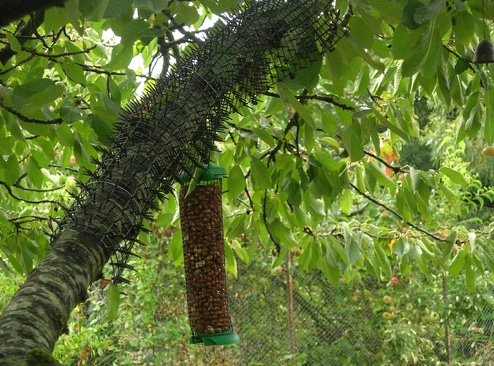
323, 98
411, 224
9, 190
31, 26
27, 119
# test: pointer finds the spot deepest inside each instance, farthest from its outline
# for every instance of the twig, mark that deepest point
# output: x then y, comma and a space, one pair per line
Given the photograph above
395, 169
323, 98
27, 119
411, 224
31, 26
265, 220
9, 190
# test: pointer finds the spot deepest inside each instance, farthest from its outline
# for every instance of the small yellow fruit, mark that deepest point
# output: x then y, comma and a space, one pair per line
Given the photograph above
488, 151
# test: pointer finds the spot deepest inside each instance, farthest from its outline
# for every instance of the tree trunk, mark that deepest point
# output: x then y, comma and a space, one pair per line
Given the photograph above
163, 135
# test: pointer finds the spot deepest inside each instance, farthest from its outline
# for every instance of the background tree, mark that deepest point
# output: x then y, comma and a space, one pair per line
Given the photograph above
311, 161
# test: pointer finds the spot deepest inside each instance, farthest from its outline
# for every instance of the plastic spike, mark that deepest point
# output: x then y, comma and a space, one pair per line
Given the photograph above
123, 265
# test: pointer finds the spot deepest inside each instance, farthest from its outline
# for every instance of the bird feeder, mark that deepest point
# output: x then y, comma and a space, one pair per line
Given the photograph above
484, 53
204, 259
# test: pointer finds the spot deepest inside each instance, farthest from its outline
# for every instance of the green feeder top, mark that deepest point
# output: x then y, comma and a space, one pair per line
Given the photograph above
211, 172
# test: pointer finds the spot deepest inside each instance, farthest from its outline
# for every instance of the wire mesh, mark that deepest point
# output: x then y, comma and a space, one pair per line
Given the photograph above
368, 323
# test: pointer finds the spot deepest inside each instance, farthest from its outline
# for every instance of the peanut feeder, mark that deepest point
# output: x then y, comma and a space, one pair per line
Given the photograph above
203, 245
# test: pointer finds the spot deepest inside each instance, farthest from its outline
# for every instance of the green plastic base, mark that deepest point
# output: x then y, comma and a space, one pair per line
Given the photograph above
219, 339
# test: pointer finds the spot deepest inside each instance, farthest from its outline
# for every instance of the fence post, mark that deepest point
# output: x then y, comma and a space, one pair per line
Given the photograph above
291, 312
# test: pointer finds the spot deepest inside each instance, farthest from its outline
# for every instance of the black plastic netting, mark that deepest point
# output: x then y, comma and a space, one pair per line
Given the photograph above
173, 128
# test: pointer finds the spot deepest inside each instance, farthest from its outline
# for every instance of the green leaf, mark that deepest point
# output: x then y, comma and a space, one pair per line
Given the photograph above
352, 244
416, 13
218, 7
287, 95
465, 22
117, 8
346, 202
282, 233
401, 247
265, 135
331, 272
309, 138
451, 196
360, 32
12, 170
175, 249
372, 263
155, 6
29, 97
235, 182
352, 140
386, 123
261, 176
470, 274
383, 259
471, 122
34, 173
65, 135
412, 64
381, 176
121, 56
400, 47
326, 160
103, 128
230, 261
415, 178
134, 29
54, 19
185, 12
93, 9
80, 153
454, 176
306, 257
457, 264
489, 258
114, 301
13, 42
74, 71
428, 11
236, 227
241, 252
449, 243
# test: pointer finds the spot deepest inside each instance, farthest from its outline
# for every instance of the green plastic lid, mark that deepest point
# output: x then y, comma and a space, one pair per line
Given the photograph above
206, 174
211, 172
218, 339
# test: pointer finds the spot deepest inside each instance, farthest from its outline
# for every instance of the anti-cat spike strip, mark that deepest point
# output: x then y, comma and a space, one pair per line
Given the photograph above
174, 126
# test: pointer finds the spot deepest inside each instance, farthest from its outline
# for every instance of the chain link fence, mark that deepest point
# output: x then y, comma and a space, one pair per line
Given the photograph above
287, 316
367, 322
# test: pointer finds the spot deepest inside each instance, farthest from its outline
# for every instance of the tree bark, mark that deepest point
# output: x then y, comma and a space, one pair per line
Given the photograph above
38, 313
163, 135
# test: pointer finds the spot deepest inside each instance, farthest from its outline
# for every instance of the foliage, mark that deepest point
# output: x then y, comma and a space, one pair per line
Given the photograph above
314, 166
364, 321
151, 326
